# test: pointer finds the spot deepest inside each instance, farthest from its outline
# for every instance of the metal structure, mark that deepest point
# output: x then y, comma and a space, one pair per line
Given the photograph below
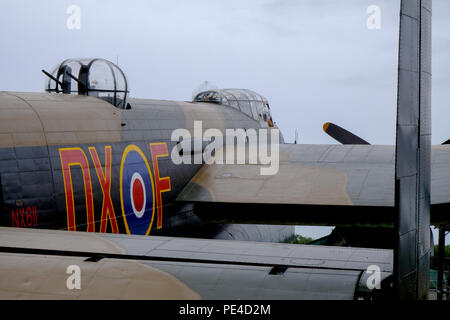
441, 291
99, 78
413, 152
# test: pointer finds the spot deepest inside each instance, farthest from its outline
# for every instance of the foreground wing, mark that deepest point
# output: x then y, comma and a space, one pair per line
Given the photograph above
33, 264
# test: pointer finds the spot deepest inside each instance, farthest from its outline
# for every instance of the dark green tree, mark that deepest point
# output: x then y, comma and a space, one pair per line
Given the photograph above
299, 239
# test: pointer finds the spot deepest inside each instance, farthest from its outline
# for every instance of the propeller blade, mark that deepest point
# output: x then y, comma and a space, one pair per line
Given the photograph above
341, 135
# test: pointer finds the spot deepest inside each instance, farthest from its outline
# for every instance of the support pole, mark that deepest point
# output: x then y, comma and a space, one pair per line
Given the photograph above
441, 261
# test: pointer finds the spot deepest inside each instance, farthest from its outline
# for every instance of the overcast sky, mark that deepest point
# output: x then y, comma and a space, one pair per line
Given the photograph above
314, 60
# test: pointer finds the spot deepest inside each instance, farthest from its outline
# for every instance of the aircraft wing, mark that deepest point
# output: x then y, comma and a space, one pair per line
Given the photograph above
34, 265
315, 184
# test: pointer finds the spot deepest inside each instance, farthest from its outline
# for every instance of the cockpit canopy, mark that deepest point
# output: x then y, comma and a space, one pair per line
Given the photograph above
92, 77
249, 102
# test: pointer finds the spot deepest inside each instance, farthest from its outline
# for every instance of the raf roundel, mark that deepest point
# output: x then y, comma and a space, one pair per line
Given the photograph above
136, 191
137, 194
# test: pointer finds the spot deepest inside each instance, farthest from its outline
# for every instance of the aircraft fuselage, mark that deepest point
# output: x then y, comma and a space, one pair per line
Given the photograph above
81, 164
